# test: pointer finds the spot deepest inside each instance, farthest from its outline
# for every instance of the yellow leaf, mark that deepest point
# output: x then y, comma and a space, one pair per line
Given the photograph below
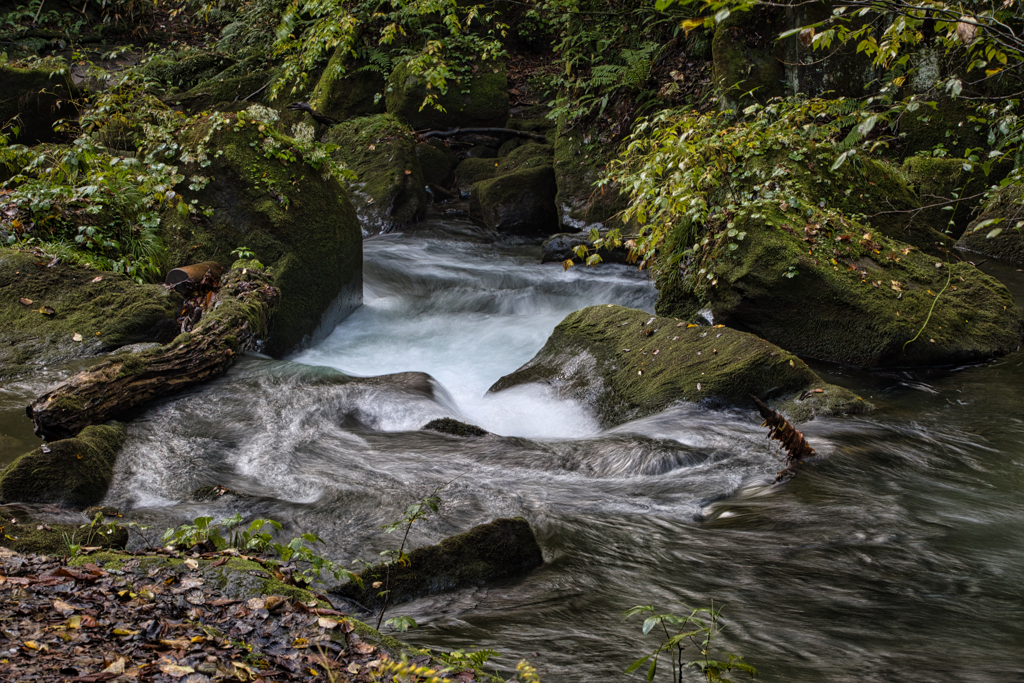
689, 24
176, 671
124, 632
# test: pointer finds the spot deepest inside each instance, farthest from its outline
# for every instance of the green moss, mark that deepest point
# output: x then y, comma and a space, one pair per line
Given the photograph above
233, 89
1005, 212
53, 539
107, 313
939, 180
358, 93
471, 171
382, 152
75, 471
529, 155
482, 101
311, 240
745, 59
580, 160
519, 203
37, 98
436, 168
185, 70
502, 548
948, 125
604, 357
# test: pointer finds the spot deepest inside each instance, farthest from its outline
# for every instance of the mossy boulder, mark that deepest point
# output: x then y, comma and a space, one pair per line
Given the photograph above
518, 203
73, 471
997, 232
346, 89
528, 155
746, 58
856, 298
496, 550
472, 171
232, 89
479, 100
299, 223
382, 151
437, 169
35, 99
185, 70
626, 364
581, 156
108, 310
940, 182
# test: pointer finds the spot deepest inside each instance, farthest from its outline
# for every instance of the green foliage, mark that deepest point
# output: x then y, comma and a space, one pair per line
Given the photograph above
439, 40
697, 630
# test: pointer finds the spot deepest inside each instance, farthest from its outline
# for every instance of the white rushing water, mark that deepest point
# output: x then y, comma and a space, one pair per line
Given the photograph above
470, 319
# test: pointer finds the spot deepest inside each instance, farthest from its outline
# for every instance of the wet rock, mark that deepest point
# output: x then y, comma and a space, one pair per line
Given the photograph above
73, 471
108, 310
471, 171
580, 158
437, 194
447, 425
437, 169
944, 185
518, 203
298, 223
37, 98
561, 247
499, 549
527, 155
480, 152
485, 102
208, 493
996, 233
382, 151
356, 92
626, 364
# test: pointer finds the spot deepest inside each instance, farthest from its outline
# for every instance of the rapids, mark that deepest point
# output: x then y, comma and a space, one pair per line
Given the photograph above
899, 556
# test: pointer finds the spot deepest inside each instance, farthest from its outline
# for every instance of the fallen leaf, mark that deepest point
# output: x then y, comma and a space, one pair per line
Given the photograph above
77, 337
117, 668
180, 644
192, 564
176, 671
47, 310
64, 608
96, 279
125, 632
25, 302
300, 643
324, 622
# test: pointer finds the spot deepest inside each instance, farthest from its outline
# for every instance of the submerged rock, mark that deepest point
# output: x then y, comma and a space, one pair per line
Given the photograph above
447, 425
43, 307
73, 471
625, 364
498, 549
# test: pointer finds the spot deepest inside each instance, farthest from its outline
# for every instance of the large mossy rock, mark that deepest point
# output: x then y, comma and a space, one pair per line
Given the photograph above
436, 165
180, 72
233, 89
108, 310
471, 171
856, 298
482, 100
35, 99
626, 364
746, 58
73, 471
356, 91
297, 222
949, 190
518, 203
496, 550
1002, 217
580, 160
382, 151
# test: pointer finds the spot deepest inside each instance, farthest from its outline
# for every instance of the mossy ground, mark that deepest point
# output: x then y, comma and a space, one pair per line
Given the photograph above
627, 364
302, 226
74, 471
54, 539
110, 312
382, 152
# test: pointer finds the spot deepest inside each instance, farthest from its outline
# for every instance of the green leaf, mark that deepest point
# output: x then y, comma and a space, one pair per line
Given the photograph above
994, 232
722, 14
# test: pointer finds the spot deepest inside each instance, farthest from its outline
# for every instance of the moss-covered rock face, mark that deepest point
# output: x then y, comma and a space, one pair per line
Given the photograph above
303, 226
382, 152
499, 549
437, 170
484, 102
108, 310
939, 181
233, 89
518, 203
359, 92
37, 98
529, 155
183, 71
1003, 213
68, 472
625, 364
472, 171
580, 160
745, 57
857, 298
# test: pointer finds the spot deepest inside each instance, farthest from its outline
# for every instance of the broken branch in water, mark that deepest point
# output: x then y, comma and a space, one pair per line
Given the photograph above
793, 442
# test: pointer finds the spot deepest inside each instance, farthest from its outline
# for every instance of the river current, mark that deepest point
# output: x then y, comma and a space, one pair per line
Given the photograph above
898, 556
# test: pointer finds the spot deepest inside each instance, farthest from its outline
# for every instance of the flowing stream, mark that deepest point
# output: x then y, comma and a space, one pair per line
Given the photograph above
899, 556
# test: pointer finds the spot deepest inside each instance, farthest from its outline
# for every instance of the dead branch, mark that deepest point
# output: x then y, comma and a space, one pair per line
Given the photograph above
793, 442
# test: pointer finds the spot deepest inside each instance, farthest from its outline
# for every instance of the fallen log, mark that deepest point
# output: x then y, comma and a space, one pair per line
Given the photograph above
235, 322
485, 131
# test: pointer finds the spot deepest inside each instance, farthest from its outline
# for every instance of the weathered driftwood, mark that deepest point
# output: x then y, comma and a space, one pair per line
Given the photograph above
485, 131
792, 440
234, 323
